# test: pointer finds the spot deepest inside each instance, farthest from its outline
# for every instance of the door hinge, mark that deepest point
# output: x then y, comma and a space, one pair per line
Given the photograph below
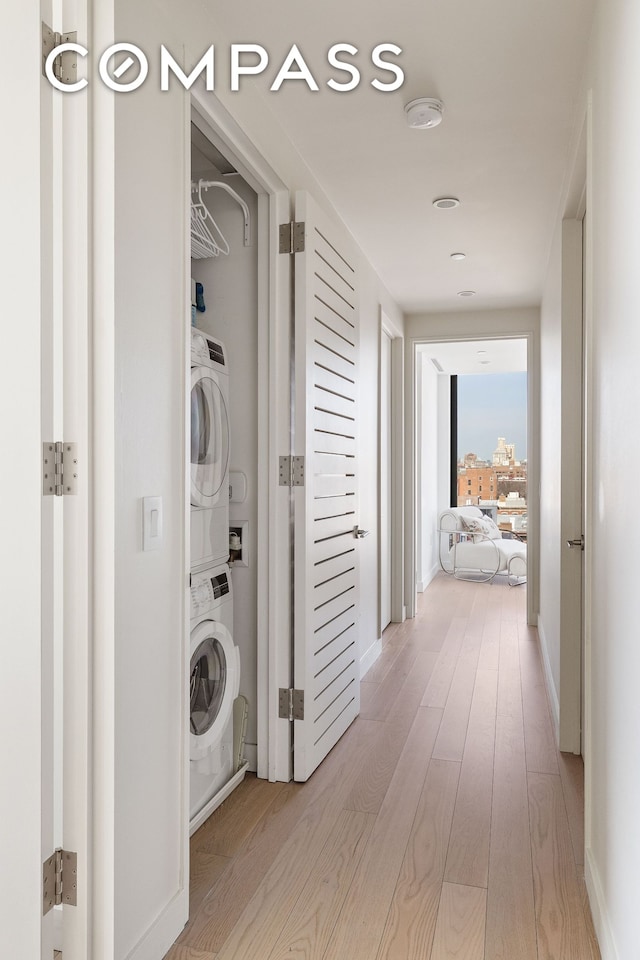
292, 237
59, 469
65, 66
291, 471
60, 880
291, 704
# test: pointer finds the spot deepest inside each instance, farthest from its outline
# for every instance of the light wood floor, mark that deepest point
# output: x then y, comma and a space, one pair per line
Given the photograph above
444, 824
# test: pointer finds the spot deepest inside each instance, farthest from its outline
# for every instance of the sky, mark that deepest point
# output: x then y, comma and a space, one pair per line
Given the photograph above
492, 405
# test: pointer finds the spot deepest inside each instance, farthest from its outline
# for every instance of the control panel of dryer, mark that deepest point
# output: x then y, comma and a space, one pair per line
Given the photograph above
208, 590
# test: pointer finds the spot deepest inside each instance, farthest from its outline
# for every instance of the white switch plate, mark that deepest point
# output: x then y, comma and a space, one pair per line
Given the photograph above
151, 523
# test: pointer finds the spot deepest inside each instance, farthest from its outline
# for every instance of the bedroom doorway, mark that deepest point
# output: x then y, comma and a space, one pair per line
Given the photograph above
472, 439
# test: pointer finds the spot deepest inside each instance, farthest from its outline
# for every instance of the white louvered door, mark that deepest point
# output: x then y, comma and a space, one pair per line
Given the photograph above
326, 571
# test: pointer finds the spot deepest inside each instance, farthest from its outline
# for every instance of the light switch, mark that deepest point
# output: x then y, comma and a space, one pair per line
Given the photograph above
151, 523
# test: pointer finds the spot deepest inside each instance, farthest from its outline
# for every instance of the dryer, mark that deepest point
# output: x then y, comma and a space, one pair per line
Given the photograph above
214, 683
209, 450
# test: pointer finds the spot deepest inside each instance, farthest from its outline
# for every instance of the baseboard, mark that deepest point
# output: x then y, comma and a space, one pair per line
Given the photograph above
167, 927
368, 659
423, 584
599, 909
548, 678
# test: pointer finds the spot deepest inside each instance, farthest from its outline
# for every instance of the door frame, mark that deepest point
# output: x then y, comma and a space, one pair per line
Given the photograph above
396, 398
466, 327
274, 429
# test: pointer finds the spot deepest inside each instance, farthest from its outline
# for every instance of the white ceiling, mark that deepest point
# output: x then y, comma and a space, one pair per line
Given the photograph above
478, 356
508, 72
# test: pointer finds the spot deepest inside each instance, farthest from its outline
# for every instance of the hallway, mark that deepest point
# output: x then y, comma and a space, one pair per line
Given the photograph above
444, 824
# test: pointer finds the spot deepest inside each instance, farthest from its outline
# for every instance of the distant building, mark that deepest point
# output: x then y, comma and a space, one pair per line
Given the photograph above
505, 453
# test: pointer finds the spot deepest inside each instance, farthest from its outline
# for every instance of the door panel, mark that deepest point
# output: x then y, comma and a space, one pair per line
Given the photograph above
327, 581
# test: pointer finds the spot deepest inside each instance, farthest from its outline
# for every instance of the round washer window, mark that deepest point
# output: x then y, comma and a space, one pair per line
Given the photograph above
208, 680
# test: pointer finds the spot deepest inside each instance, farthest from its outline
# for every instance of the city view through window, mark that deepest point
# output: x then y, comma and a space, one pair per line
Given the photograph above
492, 459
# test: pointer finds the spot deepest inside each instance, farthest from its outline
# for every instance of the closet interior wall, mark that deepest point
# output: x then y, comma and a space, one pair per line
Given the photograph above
231, 299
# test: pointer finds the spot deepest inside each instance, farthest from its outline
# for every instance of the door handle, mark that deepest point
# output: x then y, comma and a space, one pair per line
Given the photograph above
576, 543
360, 534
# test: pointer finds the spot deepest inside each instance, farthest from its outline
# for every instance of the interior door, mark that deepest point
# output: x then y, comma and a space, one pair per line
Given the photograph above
327, 522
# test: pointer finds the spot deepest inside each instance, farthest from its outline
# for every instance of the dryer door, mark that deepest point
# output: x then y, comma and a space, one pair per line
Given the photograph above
214, 683
209, 438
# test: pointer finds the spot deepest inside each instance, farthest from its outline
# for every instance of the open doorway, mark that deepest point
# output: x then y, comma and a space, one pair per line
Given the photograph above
472, 459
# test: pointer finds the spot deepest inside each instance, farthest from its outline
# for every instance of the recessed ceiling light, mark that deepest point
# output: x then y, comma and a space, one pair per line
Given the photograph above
484, 361
446, 203
424, 113
458, 256
466, 293
481, 351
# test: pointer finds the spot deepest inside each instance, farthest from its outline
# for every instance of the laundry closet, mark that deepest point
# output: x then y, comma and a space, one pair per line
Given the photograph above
224, 477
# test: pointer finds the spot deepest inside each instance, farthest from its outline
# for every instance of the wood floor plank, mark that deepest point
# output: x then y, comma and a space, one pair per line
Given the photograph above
258, 922
368, 691
229, 826
489, 658
438, 687
562, 931
371, 786
359, 927
511, 921
220, 910
310, 923
539, 738
451, 738
468, 854
461, 923
188, 953
509, 683
205, 871
572, 777
389, 688
411, 921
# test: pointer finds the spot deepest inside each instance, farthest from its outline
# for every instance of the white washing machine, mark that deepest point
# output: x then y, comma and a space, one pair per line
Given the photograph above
209, 450
214, 683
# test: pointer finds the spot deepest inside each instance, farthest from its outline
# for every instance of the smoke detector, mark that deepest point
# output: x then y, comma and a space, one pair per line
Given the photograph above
424, 113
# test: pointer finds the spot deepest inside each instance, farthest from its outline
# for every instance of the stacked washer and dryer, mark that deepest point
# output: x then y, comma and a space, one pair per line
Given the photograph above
216, 767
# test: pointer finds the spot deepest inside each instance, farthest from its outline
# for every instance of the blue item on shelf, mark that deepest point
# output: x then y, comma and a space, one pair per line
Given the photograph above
200, 307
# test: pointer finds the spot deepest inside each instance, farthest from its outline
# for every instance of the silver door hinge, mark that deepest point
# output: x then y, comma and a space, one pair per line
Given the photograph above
59, 880
65, 66
292, 237
59, 469
291, 704
291, 472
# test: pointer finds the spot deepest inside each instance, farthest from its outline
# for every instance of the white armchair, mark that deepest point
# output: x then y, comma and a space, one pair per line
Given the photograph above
472, 548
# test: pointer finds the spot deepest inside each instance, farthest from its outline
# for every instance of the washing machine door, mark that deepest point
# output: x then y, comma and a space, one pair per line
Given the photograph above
209, 438
213, 686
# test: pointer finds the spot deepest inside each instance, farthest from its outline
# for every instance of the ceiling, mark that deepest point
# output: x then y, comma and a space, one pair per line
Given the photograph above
477, 356
508, 72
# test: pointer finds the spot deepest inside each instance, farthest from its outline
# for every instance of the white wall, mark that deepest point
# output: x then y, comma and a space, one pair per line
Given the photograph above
150, 314
613, 783
430, 422
550, 464
231, 297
